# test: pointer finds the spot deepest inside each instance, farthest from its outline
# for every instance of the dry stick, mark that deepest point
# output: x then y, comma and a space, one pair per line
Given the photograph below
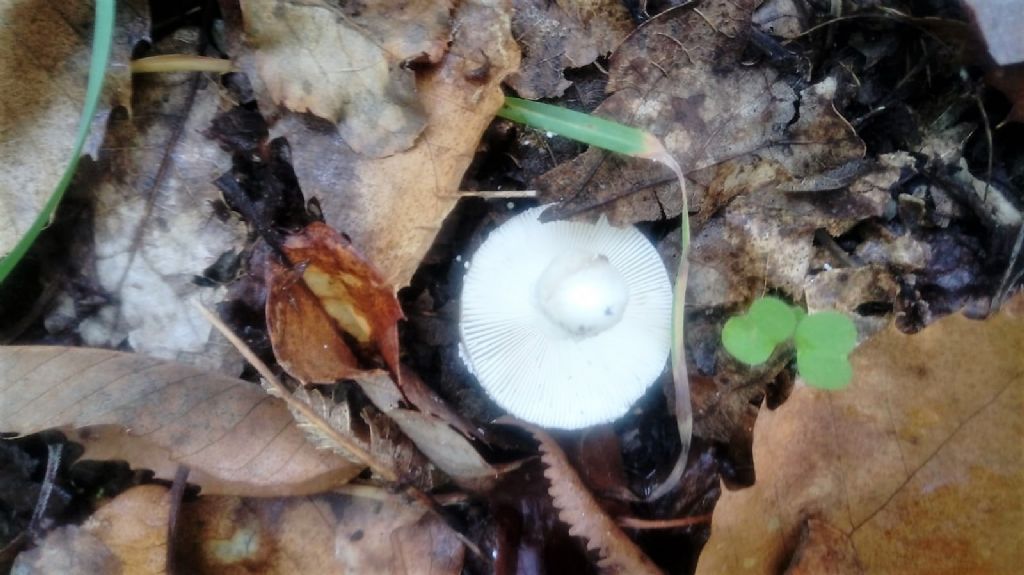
637, 523
158, 180
379, 467
176, 494
53, 457
11, 550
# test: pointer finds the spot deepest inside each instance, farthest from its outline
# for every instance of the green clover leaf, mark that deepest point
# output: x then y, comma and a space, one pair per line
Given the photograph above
753, 336
824, 341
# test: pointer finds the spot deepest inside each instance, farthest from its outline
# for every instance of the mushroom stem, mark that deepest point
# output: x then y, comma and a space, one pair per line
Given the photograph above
582, 293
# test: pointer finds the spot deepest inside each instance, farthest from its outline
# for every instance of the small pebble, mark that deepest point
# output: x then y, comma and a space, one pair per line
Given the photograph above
511, 205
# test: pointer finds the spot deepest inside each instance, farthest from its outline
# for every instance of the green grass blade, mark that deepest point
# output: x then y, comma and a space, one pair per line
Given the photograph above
102, 40
586, 128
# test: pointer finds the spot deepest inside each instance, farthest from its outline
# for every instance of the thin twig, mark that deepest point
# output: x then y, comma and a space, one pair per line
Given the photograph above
988, 142
53, 457
637, 523
175, 496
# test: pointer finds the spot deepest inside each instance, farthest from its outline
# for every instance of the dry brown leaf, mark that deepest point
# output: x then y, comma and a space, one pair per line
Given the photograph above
323, 534
680, 77
151, 237
44, 58
765, 237
127, 535
581, 512
331, 291
559, 35
158, 415
304, 337
446, 448
394, 456
917, 463
392, 207
346, 64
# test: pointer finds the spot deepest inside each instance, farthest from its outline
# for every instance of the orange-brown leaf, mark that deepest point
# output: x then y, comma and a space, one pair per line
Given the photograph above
127, 535
346, 289
918, 462
305, 339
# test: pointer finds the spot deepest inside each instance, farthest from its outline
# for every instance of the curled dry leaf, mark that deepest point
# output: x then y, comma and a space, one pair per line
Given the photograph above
330, 290
347, 64
127, 535
158, 415
669, 78
578, 509
560, 35
921, 452
392, 207
44, 59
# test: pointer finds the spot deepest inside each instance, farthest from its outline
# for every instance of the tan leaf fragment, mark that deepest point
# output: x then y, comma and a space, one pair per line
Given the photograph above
443, 446
45, 50
560, 35
918, 462
158, 415
127, 535
681, 77
346, 66
326, 533
392, 207
584, 516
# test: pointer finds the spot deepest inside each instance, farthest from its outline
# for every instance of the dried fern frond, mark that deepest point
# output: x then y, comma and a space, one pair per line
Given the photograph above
578, 509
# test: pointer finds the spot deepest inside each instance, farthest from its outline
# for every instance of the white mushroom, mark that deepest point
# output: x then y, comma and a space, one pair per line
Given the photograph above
566, 324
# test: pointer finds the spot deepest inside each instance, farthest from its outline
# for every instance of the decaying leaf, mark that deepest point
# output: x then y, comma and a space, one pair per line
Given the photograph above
330, 290
44, 59
559, 35
347, 64
670, 78
766, 236
319, 534
392, 207
327, 533
127, 535
305, 338
158, 415
446, 448
371, 439
578, 509
154, 230
917, 463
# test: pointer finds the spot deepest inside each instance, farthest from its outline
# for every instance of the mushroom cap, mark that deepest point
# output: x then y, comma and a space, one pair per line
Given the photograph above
525, 357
